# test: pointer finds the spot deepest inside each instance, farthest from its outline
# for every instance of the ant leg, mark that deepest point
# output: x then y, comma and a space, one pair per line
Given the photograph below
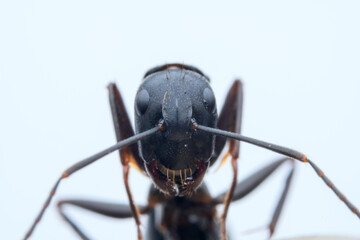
230, 120
250, 183
280, 204
123, 129
246, 186
103, 208
87, 161
129, 155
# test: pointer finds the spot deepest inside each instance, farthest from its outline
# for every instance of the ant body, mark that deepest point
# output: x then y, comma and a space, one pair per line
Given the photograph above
179, 135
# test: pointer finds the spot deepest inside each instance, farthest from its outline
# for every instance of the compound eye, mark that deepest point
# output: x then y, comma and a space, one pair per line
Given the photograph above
142, 101
209, 99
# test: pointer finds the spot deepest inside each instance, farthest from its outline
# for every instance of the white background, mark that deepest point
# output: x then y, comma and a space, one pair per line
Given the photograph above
299, 61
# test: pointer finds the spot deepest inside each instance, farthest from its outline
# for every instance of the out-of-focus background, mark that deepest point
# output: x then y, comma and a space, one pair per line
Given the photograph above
299, 61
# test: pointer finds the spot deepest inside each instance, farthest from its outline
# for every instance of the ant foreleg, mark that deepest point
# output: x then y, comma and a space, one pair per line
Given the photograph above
230, 119
129, 155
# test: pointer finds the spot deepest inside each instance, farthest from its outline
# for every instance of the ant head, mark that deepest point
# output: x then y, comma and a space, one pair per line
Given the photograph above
176, 158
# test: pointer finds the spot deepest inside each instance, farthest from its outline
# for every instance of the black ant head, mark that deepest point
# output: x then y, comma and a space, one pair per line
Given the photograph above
177, 157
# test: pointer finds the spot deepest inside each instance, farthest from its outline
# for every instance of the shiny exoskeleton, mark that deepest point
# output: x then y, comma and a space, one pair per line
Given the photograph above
178, 136
177, 158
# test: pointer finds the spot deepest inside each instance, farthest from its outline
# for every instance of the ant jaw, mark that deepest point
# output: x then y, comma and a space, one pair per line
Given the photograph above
182, 182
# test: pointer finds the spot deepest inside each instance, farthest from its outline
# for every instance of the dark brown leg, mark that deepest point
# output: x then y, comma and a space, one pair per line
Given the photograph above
106, 209
227, 200
230, 120
123, 129
129, 155
250, 183
281, 202
245, 187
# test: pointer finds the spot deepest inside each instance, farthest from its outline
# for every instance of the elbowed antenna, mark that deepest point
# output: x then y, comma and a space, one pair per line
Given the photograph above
284, 151
87, 161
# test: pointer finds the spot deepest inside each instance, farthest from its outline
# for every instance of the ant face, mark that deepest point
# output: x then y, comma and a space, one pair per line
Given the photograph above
176, 158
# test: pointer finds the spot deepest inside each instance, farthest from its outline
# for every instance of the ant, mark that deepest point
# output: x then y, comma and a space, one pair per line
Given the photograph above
179, 135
